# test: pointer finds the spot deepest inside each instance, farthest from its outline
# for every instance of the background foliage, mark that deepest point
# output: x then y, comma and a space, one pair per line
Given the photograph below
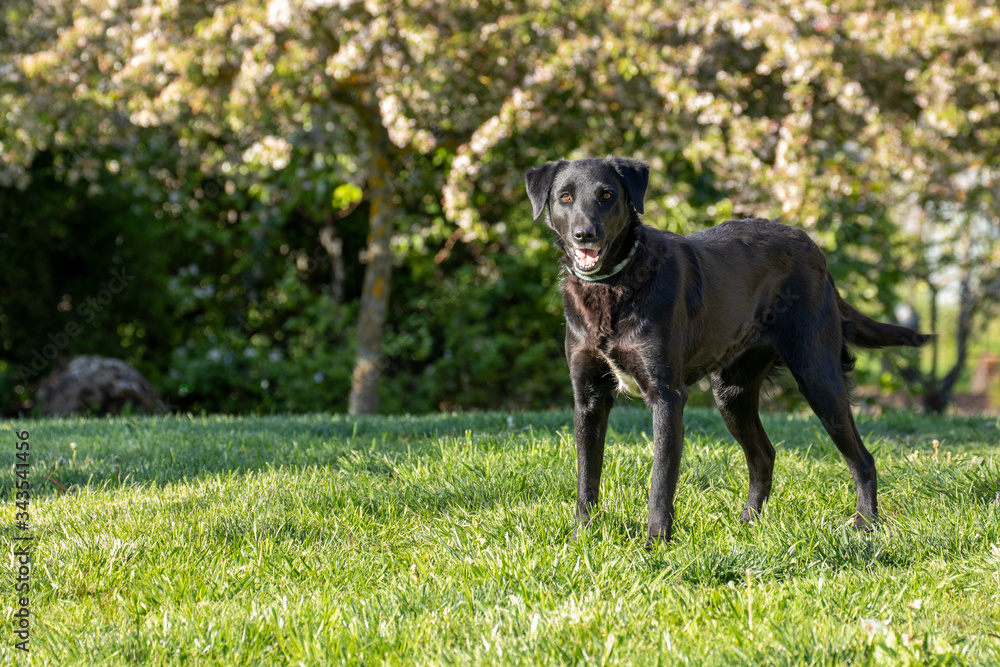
235, 158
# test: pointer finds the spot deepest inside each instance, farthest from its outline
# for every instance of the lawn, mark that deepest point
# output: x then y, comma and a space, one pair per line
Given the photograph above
445, 539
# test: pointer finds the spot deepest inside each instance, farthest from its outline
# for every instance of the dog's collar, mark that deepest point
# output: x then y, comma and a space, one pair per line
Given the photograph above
618, 267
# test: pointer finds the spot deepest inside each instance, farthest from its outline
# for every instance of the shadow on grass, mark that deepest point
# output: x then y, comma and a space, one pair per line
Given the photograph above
125, 451
142, 450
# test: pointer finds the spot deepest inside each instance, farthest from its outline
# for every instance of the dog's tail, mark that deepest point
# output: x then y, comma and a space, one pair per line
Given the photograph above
863, 331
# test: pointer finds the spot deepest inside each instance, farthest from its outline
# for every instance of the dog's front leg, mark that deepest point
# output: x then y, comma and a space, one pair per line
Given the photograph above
668, 440
593, 395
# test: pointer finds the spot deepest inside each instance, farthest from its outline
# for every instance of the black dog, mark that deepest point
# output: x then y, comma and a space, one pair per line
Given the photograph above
649, 312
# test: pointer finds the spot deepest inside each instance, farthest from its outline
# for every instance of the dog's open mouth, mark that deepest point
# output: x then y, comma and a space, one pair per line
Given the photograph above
586, 258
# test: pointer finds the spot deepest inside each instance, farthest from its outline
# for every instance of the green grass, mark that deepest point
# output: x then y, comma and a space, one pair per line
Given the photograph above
445, 539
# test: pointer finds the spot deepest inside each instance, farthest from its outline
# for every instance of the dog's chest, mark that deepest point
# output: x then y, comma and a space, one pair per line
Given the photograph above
607, 316
599, 310
626, 383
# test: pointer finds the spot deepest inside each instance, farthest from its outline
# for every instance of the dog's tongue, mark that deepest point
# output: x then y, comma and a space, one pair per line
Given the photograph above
586, 257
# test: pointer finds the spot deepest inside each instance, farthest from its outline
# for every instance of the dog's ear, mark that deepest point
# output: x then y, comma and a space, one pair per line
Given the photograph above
635, 177
539, 182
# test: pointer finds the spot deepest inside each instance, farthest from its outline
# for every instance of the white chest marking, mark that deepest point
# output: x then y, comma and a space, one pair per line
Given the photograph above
626, 383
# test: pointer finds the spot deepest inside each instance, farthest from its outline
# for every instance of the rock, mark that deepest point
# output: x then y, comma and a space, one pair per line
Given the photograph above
97, 385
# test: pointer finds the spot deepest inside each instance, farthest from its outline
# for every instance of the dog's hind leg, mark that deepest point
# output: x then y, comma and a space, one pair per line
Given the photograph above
737, 394
820, 377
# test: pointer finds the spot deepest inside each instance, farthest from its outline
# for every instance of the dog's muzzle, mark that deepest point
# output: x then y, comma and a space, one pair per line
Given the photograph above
586, 258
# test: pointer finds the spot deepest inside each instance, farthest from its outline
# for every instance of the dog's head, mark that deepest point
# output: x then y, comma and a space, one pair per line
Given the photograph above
591, 203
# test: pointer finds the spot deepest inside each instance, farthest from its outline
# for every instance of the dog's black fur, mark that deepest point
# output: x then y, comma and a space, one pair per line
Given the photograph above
733, 302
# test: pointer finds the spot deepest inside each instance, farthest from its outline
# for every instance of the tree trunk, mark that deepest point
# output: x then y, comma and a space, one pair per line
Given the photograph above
946, 387
375, 292
938, 394
335, 249
934, 328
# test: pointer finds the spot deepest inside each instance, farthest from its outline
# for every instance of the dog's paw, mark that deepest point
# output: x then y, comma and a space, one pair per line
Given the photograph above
653, 542
657, 536
579, 529
864, 524
748, 515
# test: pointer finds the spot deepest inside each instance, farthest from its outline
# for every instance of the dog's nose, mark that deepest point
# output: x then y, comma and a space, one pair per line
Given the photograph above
585, 233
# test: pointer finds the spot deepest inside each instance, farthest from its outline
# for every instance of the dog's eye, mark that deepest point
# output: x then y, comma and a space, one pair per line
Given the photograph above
565, 197
607, 195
